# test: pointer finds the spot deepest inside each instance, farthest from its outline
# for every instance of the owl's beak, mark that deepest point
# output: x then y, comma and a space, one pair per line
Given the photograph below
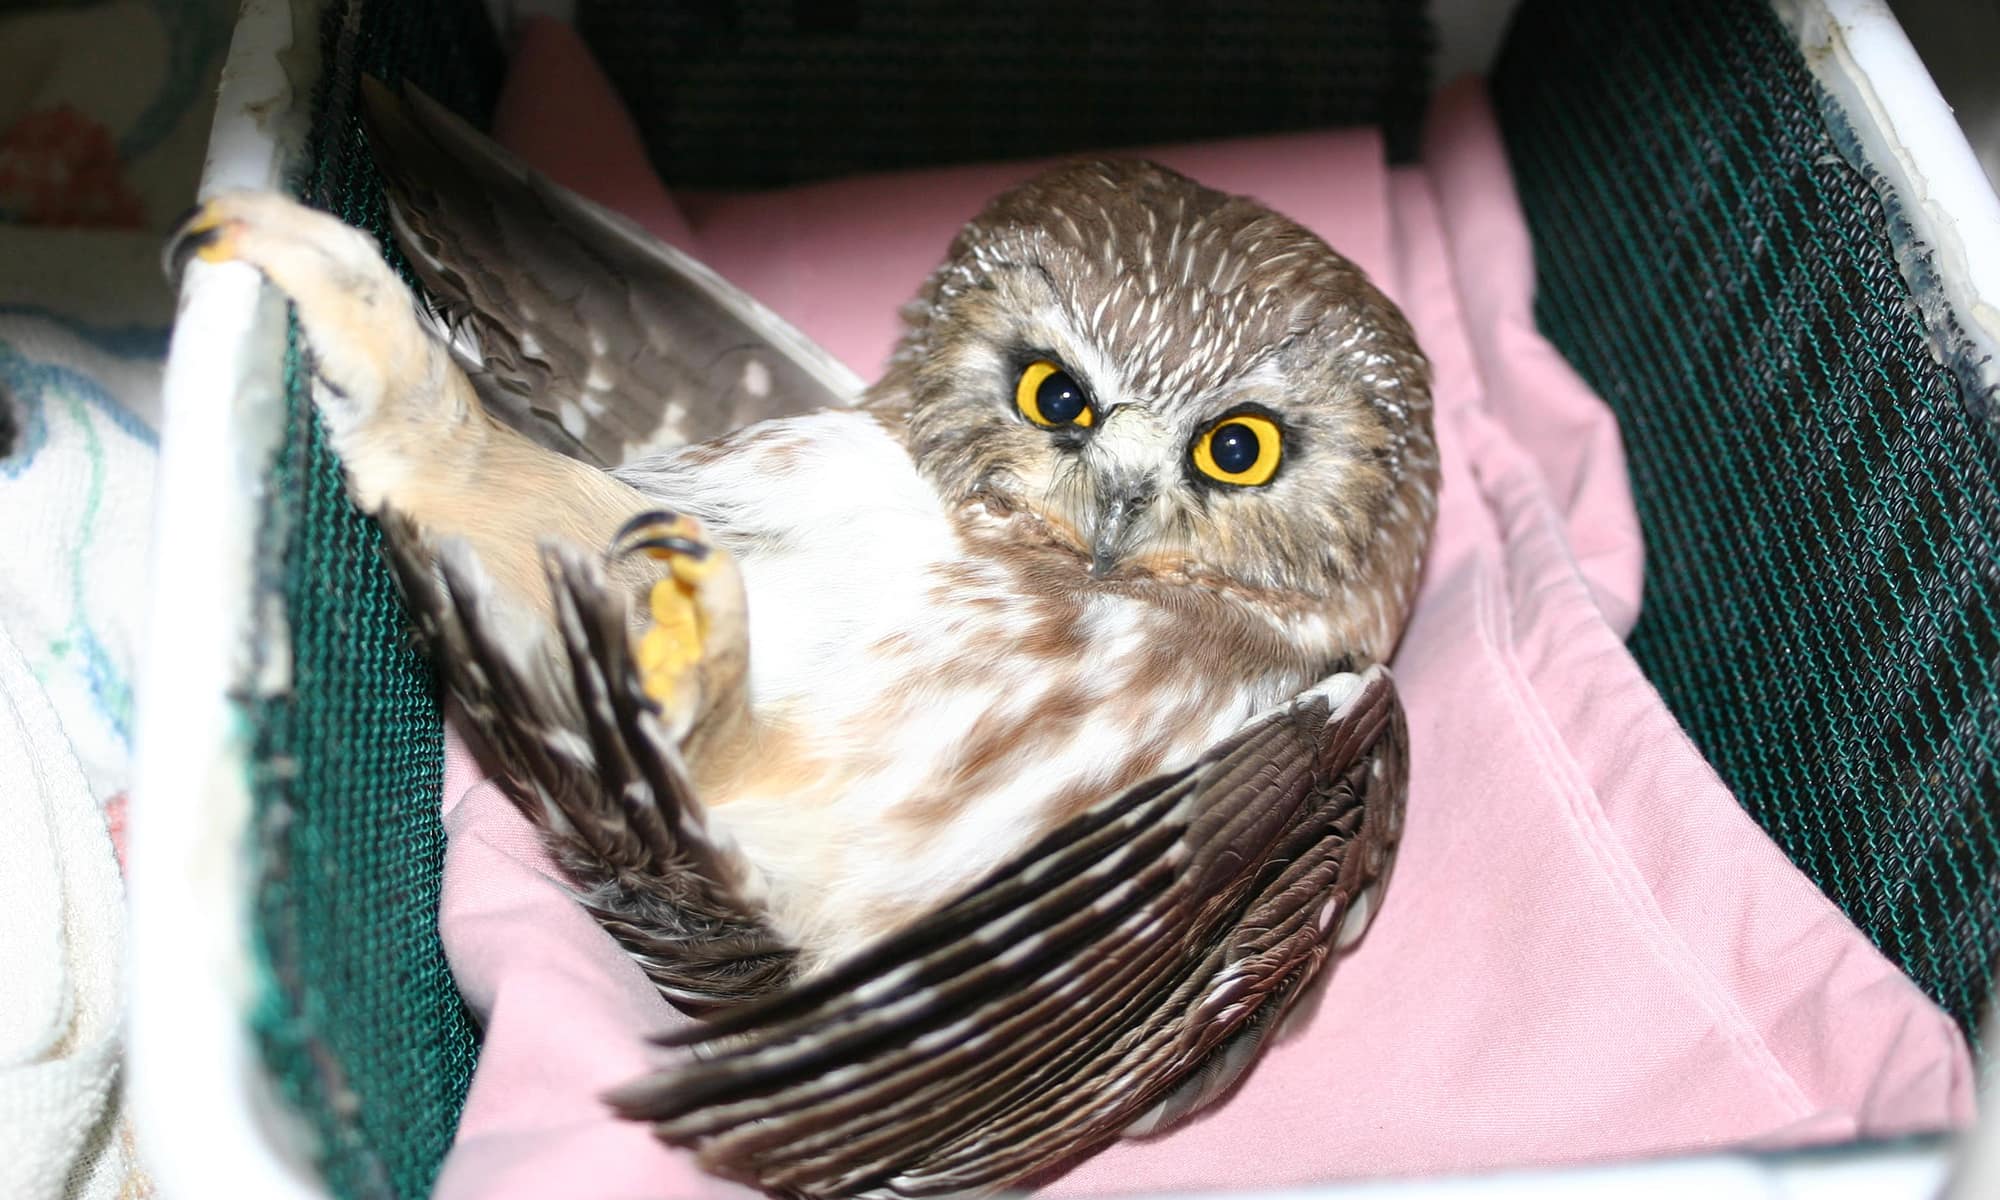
1113, 532
1121, 460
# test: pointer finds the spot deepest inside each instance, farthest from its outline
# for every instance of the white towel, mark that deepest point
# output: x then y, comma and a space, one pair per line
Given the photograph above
83, 325
62, 936
104, 108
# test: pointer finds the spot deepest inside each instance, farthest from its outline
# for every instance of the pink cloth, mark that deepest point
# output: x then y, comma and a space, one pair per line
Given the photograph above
1588, 951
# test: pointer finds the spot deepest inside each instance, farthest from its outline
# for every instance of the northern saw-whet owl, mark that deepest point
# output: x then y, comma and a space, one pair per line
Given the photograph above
993, 756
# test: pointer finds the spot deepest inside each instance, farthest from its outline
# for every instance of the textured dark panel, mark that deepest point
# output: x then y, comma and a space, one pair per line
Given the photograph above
359, 1021
745, 93
1821, 499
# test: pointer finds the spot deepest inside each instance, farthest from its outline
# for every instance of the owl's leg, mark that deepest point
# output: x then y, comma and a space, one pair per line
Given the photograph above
404, 420
416, 443
692, 656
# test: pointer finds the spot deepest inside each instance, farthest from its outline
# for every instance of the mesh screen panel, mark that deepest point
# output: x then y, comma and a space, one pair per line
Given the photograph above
1819, 496
746, 93
359, 1022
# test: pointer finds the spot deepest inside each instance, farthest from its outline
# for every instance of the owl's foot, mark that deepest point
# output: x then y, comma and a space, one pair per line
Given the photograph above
404, 420
360, 321
690, 654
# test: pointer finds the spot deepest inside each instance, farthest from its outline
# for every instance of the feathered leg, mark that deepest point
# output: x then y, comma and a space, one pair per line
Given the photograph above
416, 443
596, 643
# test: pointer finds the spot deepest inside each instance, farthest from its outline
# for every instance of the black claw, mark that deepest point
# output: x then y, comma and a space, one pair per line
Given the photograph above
183, 245
678, 545
652, 516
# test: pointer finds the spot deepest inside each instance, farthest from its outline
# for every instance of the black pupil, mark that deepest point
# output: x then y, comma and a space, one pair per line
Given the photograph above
1234, 448
1060, 400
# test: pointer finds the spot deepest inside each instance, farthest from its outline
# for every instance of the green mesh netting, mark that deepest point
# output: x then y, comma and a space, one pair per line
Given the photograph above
1821, 501
359, 1023
749, 93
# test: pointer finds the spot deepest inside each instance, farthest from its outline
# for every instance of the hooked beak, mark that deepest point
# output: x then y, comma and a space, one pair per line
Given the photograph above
1115, 519
1121, 458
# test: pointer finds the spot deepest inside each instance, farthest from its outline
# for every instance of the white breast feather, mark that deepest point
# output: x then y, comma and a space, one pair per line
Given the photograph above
840, 541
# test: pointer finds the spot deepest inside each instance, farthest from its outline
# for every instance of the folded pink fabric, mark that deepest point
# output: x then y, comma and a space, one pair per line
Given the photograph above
1588, 951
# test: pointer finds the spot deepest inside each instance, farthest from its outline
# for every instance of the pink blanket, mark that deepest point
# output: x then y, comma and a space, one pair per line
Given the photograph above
1588, 951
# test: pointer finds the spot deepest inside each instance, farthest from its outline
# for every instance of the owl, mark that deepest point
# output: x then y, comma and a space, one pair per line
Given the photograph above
992, 755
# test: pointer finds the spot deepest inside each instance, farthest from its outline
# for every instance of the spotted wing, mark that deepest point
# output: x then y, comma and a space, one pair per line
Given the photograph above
1113, 979
585, 761
575, 325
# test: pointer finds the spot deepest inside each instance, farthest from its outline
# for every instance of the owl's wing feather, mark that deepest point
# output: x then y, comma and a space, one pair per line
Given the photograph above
575, 325
614, 803
1116, 977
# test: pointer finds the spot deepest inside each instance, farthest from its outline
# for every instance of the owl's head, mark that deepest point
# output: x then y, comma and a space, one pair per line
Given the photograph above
1174, 383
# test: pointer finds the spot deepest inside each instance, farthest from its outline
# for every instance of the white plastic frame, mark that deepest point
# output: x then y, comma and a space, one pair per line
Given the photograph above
207, 1119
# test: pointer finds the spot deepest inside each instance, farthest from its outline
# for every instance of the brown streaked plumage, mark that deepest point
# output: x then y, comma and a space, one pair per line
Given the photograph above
1006, 748
1187, 292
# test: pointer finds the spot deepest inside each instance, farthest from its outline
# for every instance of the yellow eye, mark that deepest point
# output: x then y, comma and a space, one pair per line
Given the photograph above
1047, 396
1242, 450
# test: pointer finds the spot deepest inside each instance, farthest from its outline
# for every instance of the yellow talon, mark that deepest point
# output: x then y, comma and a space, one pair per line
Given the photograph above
673, 643
206, 234
675, 616
691, 571
222, 248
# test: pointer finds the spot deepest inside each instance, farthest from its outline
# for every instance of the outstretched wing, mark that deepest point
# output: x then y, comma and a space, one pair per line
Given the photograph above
585, 761
1113, 979
575, 325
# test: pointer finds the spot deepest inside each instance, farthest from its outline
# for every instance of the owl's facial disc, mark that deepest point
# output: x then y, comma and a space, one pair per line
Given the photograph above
1172, 384
1123, 462
1122, 454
